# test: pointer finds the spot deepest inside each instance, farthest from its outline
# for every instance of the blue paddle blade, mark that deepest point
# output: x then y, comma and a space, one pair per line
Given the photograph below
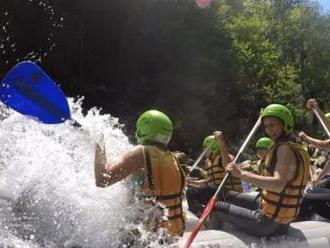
27, 89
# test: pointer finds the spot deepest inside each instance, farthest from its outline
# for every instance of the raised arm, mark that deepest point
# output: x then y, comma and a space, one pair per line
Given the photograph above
320, 144
225, 155
107, 174
313, 104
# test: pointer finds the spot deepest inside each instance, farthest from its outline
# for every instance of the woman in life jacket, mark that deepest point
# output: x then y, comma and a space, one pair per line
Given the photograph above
317, 198
201, 190
282, 181
162, 179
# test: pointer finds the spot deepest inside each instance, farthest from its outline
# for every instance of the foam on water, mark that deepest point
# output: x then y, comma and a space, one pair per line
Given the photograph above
48, 196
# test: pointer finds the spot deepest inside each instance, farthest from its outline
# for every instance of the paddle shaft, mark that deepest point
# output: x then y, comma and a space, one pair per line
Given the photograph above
208, 208
322, 122
199, 158
254, 129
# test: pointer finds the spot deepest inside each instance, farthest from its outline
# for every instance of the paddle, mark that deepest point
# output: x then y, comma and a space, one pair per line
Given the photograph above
27, 89
199, 159
208, 208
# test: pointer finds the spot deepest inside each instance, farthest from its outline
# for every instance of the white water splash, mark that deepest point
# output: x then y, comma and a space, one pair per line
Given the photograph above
48, 196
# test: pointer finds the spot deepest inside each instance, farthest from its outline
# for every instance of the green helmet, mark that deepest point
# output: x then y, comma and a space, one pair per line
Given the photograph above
327, 115
264, 143
209, 141
153, 126
281, 112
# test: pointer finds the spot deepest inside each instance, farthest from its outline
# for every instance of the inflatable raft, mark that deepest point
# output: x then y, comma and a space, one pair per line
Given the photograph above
305, 234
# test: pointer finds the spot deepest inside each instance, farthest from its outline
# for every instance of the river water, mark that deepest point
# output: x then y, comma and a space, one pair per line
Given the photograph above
48, 196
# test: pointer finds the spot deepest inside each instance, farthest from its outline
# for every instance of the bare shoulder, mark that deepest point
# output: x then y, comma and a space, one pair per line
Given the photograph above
132, 160
285, 151
285, 155
135, 153
286, 162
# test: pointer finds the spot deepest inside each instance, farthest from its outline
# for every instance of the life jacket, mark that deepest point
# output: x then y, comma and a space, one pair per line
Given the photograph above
255, 166
163, 182
260, 166
215, 174
283, 207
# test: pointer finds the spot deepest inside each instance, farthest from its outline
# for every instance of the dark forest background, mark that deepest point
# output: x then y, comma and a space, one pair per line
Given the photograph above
207, 68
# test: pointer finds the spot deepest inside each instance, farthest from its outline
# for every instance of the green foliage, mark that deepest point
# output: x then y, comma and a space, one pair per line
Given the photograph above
211, 68
281, 53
